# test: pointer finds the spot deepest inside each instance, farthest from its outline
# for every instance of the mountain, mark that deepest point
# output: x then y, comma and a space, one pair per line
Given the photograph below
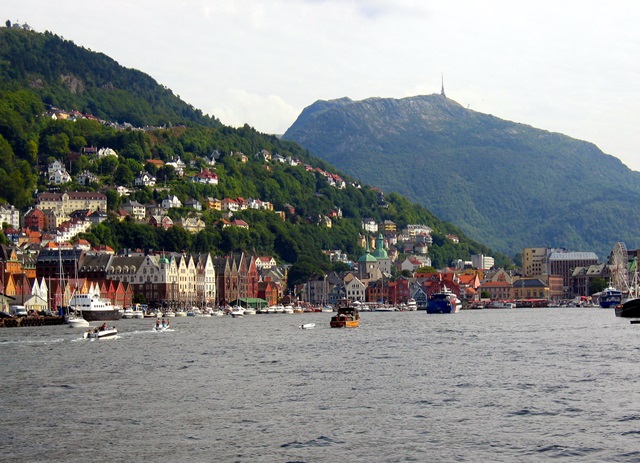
503, 183
67, 76
40, 70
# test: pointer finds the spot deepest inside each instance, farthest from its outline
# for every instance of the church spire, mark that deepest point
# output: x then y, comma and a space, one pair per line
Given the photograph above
442, 89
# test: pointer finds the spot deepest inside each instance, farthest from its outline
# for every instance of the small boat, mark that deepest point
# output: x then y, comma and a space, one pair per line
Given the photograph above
385, 308
610, 297
411, 304
101, 333
444, 302
347, 316
237, 312
500, 305
308, 326
161, 328
76, 321
128, 313
630, 308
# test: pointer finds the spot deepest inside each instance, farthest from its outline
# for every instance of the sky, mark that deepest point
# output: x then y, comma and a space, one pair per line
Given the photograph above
568, 66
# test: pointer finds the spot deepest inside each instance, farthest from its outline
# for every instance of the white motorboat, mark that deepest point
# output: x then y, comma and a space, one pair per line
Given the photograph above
162, 328
308, 326
385, 308
237, 312
128, 313
99, 333
76, 321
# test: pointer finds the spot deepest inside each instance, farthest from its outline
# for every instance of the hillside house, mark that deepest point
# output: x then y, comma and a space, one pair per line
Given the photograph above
205, 177
144, 179
85, 178
171, 201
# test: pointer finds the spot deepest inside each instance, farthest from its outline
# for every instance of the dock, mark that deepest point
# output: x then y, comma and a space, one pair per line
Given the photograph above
30, 321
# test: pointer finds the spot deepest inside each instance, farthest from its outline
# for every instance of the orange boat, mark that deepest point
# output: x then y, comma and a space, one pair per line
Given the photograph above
347, 316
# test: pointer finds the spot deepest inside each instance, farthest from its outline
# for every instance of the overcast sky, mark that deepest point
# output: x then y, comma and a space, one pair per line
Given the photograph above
560, 65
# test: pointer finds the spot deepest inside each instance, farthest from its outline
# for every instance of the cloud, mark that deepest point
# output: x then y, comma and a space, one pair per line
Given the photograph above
267, 113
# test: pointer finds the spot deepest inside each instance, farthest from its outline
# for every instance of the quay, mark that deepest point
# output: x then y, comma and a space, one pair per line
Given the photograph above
30, 321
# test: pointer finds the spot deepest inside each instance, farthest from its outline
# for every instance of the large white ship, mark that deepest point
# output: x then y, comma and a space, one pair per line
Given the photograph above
92, 308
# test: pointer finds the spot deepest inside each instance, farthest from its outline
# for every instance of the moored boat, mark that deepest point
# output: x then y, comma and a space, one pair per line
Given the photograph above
500, 305
128, 313
610, 297
76, 321
347, 316
444, 302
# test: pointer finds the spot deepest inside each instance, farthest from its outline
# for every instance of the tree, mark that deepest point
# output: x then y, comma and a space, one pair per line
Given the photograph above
426, 269
339, 267
113, 200
57, 145
123, 175
597, 285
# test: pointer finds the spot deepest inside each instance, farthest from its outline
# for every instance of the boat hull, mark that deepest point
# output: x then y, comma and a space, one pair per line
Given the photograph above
101, 315
344, 323
103, 334
629, 309
442, 308
444, 304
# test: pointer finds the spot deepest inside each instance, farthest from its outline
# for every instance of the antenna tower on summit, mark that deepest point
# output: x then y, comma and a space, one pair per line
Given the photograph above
442, 89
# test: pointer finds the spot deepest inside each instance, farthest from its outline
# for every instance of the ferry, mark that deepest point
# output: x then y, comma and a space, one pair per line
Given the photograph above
444, 302
610, 297
92, 308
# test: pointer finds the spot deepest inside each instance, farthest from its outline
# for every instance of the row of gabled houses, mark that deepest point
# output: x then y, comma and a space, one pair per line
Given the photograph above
159, 279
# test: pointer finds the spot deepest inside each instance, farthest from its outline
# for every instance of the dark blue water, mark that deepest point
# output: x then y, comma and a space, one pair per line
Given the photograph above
521, 385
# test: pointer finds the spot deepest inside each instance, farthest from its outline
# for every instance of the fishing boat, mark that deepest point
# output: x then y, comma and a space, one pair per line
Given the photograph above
610, 297
444, 302
347, 315
101, 333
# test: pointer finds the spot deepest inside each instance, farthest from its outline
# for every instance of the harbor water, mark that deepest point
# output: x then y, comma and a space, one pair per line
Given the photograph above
525, 385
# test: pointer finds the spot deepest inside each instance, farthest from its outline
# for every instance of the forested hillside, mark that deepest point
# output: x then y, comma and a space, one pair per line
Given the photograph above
506, 184
30, 139
68, 76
